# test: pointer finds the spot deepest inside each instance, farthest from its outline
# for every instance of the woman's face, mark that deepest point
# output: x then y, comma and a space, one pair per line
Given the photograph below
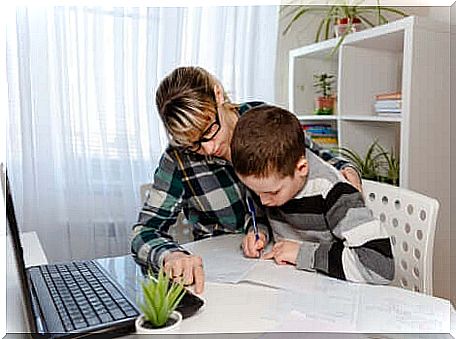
219, 134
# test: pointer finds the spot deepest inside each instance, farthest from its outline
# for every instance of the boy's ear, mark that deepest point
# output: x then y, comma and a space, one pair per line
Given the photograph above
302, 167
219, 94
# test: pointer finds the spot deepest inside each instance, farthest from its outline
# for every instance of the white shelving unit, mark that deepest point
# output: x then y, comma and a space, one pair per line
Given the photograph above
411, 55
404, 55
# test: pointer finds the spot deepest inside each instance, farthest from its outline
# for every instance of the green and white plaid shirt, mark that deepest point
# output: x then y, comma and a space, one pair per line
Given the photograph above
205, 188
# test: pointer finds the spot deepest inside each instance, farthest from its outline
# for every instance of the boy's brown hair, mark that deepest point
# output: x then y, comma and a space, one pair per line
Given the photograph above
267, 139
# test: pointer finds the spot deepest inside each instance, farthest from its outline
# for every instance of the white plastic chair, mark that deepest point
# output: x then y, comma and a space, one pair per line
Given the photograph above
410, 219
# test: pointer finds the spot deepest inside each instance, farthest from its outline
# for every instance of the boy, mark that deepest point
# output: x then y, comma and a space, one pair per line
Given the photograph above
319, 221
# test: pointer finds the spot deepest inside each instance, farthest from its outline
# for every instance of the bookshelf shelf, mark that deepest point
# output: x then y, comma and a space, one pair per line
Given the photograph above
317, 118
373, 118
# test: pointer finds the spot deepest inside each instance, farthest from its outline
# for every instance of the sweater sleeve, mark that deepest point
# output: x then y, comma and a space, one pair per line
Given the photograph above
360, 250
150, 240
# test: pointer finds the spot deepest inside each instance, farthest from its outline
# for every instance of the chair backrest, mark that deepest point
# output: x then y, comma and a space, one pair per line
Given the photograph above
410, 219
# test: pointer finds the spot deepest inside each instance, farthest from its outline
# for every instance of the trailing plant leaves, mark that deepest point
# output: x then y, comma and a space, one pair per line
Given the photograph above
299, 14
365, 20
365, 13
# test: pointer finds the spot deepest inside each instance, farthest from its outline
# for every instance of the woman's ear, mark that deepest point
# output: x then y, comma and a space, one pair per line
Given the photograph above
302, 167
219, 94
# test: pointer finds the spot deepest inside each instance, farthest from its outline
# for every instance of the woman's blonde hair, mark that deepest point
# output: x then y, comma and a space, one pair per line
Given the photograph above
186, 103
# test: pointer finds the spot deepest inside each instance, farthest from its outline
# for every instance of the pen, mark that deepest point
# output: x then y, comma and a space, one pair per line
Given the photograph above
252, 212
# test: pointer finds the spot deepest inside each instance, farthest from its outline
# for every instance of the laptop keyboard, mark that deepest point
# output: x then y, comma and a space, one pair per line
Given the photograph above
84, 297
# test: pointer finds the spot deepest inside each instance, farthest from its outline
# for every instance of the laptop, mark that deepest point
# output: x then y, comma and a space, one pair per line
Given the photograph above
72, 299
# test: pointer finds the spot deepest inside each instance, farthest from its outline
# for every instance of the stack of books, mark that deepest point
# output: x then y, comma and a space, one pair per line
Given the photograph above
322, 134
388, 104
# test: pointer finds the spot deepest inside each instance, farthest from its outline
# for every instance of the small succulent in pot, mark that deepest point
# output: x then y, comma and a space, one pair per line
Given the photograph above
161, 296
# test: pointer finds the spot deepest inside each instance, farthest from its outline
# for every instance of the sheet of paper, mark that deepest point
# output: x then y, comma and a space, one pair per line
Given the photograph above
398, 310
322, 300
223, 259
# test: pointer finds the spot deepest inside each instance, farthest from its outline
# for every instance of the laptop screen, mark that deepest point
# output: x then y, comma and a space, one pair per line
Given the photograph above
18, 252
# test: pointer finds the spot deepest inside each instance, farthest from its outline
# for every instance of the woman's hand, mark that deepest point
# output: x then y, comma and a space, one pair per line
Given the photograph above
185, 268
352, 177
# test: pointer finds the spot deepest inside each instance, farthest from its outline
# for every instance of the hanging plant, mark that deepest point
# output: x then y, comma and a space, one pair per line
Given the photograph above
340, 20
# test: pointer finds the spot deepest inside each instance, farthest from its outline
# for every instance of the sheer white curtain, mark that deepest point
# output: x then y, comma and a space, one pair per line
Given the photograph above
83, 133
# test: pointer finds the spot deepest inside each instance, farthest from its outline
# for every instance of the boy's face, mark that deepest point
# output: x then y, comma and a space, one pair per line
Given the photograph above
276, 190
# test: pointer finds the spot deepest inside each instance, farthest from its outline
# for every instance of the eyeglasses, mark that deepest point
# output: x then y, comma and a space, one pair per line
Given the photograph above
207, 135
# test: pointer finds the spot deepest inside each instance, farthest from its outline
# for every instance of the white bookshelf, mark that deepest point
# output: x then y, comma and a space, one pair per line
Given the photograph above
411, 55
404, 55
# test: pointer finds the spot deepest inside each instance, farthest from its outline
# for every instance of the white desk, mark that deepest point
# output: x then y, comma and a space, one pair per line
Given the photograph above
251, 308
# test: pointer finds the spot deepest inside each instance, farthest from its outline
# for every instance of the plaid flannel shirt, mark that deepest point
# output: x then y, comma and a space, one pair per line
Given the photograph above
205, 188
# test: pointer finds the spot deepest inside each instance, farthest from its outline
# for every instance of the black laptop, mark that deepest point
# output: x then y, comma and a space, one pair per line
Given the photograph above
71, 299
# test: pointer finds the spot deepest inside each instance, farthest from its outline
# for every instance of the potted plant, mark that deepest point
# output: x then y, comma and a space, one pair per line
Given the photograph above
324, 104
161, 296
378, 164
340, 20
390, 164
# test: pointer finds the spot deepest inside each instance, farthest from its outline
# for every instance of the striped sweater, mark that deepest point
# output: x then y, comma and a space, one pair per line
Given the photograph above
338, 235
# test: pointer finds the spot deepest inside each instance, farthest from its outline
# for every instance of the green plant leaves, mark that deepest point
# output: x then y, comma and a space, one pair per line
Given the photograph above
366, 14
323, 82
378, 164
160, 298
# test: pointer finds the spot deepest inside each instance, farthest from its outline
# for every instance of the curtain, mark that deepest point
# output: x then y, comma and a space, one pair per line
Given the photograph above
82, 131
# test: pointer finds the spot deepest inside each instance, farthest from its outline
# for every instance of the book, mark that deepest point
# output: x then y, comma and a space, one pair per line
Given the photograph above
389, 114
388, 110
388, 104
323, 135
389, 96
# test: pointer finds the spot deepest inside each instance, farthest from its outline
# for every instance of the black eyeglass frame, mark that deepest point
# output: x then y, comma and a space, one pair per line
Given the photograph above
196, 146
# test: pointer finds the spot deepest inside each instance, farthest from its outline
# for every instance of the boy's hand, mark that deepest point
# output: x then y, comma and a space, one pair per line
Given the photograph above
284, 252
252, 248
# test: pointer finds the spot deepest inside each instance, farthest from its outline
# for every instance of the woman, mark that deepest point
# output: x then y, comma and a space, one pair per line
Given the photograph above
194, 174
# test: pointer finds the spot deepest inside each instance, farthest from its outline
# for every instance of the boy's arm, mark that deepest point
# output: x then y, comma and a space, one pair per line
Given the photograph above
150, 241
361, 250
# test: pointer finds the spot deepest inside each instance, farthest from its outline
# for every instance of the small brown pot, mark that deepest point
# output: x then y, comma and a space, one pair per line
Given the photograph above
324, 105
343, 24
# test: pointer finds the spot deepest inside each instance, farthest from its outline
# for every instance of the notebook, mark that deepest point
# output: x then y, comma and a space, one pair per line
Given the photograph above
72, 299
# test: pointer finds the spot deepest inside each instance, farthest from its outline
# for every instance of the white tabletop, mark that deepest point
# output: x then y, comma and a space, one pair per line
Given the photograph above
297, 301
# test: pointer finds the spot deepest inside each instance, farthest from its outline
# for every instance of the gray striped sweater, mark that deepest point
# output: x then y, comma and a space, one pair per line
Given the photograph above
338, 235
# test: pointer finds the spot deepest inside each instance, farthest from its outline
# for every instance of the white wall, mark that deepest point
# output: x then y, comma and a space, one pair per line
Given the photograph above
453, 152
303, 33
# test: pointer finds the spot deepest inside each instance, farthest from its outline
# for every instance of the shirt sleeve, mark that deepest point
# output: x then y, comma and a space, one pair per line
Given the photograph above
360, 250
150, 241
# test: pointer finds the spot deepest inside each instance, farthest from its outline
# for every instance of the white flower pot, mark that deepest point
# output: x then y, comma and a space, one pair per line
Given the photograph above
140, 329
